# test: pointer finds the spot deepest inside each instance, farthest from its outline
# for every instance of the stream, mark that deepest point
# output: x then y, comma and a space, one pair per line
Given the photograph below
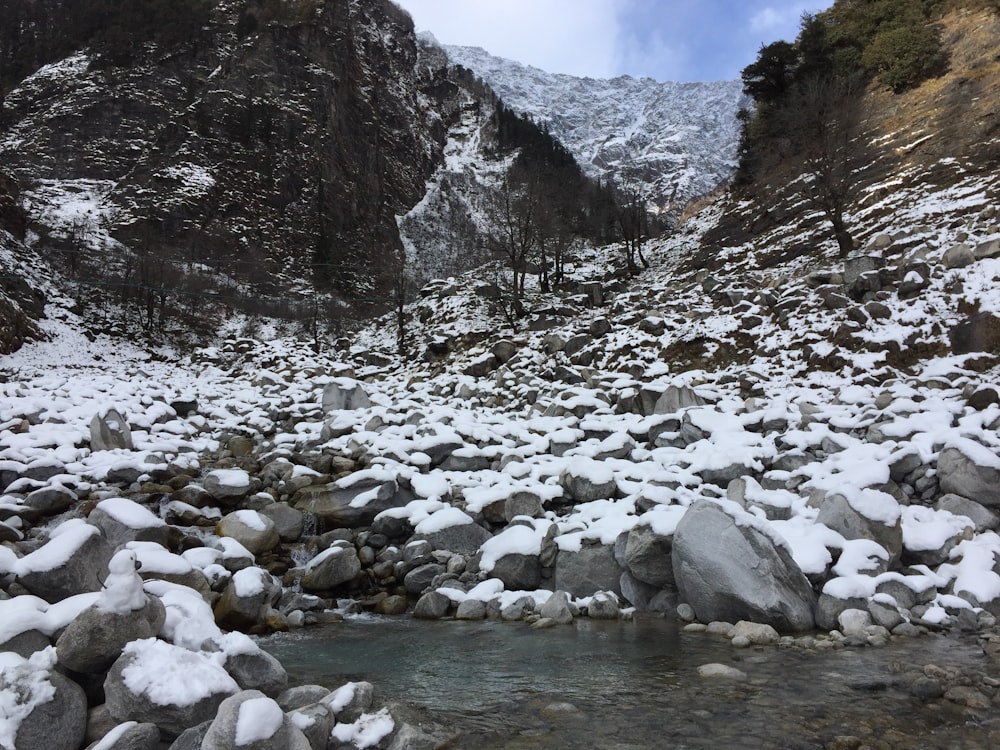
598, 684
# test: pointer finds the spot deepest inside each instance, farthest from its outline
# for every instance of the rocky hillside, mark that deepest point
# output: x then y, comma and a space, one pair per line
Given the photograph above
674, 141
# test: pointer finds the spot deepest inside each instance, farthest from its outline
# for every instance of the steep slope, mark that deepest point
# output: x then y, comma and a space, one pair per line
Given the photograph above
677, 141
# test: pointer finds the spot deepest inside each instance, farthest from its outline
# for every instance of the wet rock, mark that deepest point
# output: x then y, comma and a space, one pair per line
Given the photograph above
648, 556
432, 606
728, 569
471, 609
557, 608
603, 606
755, 633
288, 522
721, 672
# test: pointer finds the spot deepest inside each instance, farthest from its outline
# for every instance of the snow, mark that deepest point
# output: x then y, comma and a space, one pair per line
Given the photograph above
258, 720
129, 513
122, 592
64, 541
189, 618
251, 519
367, 731
24, 685
109, 741
443, 519
169, 675
249, 582
517, 539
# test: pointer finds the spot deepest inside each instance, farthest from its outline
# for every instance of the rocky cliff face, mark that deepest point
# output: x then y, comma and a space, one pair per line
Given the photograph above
675, 141
279, 155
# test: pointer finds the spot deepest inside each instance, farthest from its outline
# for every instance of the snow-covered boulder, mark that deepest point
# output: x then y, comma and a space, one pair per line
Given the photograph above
250, 720
352, 501
246, 598
729, 566
40, 708
586, 480
252, 667
123, 613
253, 530
451, 529
69, 563
122, 521
970, 470
228, 486
50, 501
331, 568
344, 394
110, 431
865, 514
166, 685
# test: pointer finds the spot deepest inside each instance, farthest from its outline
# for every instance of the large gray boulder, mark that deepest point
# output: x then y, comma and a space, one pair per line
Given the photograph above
586, 480
331, 568
871, 515
255, 669
352, 501
123, 521
246, 598
519, 572
228, 486
970, 470
110, 431
70, 563
457, 533
588, 570
557, 608
95, 638
250, 720
253, 530
153, 681
729, 568
43, 709
647, 556
344, 394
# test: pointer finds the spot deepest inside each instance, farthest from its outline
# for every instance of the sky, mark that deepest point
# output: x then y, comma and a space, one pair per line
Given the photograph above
669, 40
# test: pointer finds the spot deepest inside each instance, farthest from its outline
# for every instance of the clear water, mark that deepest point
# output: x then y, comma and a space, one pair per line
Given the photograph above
635, 685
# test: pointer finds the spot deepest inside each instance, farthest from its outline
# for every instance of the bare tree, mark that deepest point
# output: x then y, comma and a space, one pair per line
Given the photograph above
632, 219
513, 215
826, 126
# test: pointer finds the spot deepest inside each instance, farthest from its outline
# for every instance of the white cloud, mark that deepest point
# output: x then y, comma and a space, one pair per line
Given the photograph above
579, 37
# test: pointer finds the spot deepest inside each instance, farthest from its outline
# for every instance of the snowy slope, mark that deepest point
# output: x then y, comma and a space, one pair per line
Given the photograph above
679, 139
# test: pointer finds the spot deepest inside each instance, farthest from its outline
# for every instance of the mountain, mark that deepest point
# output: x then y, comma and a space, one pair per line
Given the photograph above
677, 141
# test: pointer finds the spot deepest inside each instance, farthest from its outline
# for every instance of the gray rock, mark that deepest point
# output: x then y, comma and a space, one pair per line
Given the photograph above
727, 569
351, 502
432, 606
522, 504
95, 638
246, 599
463, 538
300, 696
56, 724
83, 555
26, 643
647, 556
828, 609
983, 517
839, 514
755, 633
228, 486
604, 606
191, 739
318, 720
110, 431
518, 609
257, 671
518, 572
253, 530
471, 609
135, 737
987, 249
123, 521
222, 734
964, 471
50, 501
557, 608
978, 333
344, 394
856, 266
593, 568
586, 480
885, 615
201, 686
359, 700
288, 522
331, 568
409, 737
675, 398
958, 256
421, 577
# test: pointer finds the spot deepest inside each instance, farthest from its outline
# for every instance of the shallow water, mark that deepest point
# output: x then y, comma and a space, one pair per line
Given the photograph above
635, 685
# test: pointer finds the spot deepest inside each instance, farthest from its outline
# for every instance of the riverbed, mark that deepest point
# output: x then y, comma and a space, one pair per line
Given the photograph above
635, 684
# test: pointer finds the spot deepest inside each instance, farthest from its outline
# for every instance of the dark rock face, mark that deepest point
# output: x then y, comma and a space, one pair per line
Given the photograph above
284, 144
